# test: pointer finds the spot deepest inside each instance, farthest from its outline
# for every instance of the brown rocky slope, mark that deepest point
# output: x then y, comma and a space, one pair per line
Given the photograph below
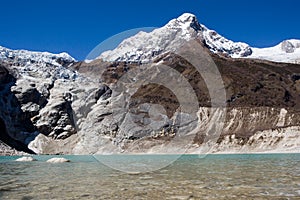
262, 103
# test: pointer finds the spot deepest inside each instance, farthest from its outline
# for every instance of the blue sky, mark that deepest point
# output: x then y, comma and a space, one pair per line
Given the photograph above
78, 26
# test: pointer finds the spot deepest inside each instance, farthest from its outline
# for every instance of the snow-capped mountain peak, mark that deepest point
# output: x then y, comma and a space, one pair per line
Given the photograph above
143, 47
186, 17
286, 51
185, 22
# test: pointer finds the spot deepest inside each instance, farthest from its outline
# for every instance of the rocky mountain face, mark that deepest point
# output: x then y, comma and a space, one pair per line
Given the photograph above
27, 105
261, 114
157, 92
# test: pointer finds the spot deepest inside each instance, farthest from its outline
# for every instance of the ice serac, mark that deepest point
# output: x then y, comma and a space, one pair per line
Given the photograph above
24, 56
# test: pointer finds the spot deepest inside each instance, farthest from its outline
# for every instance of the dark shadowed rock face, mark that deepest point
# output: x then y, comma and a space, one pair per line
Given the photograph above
3, 75
15, 127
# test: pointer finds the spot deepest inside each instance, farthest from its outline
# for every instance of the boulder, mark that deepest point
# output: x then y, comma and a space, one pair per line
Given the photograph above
26, 159
58, 160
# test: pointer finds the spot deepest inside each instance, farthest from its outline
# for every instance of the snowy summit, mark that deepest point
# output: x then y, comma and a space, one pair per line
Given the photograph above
143, 47
287, 51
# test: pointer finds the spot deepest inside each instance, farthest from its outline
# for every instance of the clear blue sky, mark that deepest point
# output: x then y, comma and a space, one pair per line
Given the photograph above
78, 26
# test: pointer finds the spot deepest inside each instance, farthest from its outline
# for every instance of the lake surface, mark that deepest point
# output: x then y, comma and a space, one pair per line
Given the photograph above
266, 176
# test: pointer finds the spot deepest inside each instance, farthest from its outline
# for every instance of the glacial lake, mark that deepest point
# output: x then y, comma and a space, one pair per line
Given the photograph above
253, 176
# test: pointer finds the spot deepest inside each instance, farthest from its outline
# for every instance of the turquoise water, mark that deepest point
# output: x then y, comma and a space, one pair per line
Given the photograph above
267, 176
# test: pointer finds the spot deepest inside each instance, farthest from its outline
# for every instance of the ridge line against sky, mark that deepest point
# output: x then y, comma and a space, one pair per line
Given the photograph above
77, 27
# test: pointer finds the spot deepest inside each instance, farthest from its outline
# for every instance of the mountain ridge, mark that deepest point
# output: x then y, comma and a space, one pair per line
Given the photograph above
144, 47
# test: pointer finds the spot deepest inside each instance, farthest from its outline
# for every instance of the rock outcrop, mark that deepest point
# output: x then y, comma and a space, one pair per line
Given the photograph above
6, 150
